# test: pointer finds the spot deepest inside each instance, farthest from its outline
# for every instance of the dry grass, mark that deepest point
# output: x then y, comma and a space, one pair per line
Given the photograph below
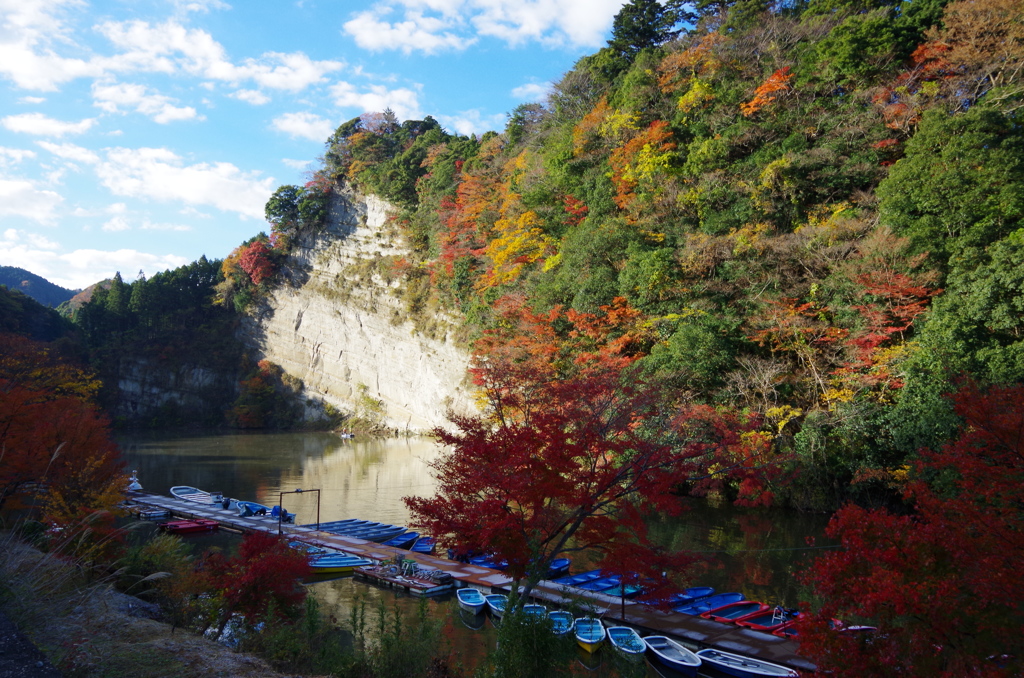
88, 629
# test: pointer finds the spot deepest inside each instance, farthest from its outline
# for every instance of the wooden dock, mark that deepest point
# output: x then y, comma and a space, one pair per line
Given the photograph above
694, 632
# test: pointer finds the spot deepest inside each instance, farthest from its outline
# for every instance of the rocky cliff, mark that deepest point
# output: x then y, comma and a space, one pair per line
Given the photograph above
340, 326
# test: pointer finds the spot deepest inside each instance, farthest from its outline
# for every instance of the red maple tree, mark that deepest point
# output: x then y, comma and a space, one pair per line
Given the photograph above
574, 449
263, 575
942, 584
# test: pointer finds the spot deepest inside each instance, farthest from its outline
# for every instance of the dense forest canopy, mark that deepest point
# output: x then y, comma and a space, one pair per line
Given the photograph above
813, 207
810, 210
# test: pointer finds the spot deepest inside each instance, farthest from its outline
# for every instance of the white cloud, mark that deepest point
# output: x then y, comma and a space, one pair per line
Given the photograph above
42, 125
531, 91
200, 6
28, 32
148, 225
31, 100
304, 125
296, 164
112, 97
13, 156
160, 174
116, 225
473, 122
19, 197
169, 47
251, 96
79, 268
403, 101
71, 152
431, 26
415, 33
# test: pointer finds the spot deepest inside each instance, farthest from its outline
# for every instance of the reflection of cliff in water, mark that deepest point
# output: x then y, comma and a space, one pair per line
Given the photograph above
356, 478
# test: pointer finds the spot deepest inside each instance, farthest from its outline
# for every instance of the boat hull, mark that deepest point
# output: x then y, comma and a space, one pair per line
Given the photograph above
470, 602
562, 622
673, 655
627, 642
590, 634
744, 667
336, 564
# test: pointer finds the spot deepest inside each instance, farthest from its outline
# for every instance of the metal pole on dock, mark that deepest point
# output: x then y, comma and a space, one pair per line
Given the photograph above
280, 504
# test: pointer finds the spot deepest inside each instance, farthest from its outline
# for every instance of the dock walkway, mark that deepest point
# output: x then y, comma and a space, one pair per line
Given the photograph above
695, 632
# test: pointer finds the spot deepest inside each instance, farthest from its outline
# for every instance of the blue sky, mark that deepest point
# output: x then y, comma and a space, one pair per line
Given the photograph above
140, 135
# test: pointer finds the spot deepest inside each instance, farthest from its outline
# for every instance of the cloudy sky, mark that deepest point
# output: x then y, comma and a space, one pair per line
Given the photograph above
141, 134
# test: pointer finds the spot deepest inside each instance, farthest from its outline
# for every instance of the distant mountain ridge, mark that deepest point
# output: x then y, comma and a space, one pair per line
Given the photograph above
37, 287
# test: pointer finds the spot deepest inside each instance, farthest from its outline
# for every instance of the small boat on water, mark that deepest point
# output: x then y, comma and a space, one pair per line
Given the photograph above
559, 567
496, 603
577, 579
471, 600
490, 561
423, 545
403, 541
335, 563
743, 667
590, 633
534, 611
706, 604
189, 526
768, 620
731, 611
601, 584
673, 655
562, 622
690, 595
627, 641
189, 493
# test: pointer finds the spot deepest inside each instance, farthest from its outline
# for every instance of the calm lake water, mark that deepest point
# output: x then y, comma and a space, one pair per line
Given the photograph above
754, 552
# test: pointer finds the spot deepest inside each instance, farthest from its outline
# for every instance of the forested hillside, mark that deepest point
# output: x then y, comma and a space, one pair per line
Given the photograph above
808, 211
40, 289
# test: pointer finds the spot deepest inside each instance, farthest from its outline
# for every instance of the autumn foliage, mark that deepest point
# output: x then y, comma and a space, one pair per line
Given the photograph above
52, 435
263, 575
575, 448
768, 91
942, 584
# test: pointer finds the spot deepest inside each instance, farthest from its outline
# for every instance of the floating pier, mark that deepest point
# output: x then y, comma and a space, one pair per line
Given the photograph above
695, 632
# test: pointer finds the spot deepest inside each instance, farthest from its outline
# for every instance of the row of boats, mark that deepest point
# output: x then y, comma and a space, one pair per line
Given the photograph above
699, 601
591, 635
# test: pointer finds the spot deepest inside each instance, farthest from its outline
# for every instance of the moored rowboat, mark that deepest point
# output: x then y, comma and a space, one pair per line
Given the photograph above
590, 634
189, 526
337, 563
627, 641
471, 600
673, 655
496, 603
744, 667
562, 622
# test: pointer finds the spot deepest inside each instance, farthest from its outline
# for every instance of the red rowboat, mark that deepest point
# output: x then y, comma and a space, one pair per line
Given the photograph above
187, 526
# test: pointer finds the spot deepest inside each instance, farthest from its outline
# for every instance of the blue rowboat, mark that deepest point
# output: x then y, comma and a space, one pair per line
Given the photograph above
496, 603
386, 532
535, 612
701, 606
562, 622
590, 634
673, 655
471, 600
690, 595
559, 567
577, 579
627, 641
602, 584
624, 591
423, 545
337, 563
743, 667
403, 541
489, 561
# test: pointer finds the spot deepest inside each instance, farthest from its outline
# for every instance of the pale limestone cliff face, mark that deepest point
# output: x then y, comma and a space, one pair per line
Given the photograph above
337, 333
